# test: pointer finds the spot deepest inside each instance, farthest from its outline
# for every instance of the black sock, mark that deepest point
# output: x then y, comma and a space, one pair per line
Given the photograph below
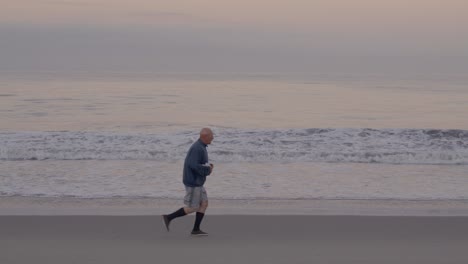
198, 220
176, 214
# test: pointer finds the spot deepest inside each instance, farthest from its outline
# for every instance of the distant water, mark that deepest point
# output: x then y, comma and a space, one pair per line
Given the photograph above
278, 137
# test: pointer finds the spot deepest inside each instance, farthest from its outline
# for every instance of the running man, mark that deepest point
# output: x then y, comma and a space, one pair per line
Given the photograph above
196, 168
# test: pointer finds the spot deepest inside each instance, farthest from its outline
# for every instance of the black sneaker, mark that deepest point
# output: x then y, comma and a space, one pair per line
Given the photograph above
198, 233
166, 222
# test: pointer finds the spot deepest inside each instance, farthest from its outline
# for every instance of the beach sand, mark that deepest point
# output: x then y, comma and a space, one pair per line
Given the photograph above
234, 239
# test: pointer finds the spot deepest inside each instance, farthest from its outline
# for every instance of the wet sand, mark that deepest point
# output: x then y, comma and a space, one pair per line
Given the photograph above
234, 239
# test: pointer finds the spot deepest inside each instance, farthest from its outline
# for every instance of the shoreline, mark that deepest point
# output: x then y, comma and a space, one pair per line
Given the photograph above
18, 205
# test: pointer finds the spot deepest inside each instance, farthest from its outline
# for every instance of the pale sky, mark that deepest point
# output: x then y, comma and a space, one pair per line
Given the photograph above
232, 35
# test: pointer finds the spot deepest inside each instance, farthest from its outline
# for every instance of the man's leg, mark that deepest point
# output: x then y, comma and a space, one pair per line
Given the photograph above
203, 207
179, 213
192, 199
199, 216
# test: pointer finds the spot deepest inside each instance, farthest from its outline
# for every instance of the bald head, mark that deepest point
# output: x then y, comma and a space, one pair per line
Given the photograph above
206, 135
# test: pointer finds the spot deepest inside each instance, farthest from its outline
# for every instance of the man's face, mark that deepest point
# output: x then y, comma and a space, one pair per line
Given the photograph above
209, 138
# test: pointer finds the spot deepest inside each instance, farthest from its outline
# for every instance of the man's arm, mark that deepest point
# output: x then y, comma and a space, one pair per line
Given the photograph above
194, 164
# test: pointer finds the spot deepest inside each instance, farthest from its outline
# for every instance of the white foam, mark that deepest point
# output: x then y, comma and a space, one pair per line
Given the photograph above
391, 146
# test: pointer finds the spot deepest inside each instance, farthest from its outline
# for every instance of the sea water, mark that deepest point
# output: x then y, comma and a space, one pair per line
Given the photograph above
277, 136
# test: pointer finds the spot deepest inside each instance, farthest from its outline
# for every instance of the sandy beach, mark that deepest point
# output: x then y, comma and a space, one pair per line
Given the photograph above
234, 239
337, 131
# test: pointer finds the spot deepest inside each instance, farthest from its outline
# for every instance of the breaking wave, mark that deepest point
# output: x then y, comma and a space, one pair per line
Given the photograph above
391, 146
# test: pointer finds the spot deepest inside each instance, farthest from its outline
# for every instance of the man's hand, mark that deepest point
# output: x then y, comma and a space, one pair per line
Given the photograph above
211, 166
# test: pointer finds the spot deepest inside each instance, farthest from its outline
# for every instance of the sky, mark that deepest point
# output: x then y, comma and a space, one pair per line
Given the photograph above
234, 35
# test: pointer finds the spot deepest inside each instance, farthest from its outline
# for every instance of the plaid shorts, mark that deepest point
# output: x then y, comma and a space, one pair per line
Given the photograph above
194, 196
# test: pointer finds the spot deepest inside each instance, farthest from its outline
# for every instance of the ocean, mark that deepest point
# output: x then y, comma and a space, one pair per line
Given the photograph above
277, 136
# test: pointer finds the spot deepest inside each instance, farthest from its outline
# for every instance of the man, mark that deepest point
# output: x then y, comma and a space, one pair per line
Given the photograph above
196, 168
